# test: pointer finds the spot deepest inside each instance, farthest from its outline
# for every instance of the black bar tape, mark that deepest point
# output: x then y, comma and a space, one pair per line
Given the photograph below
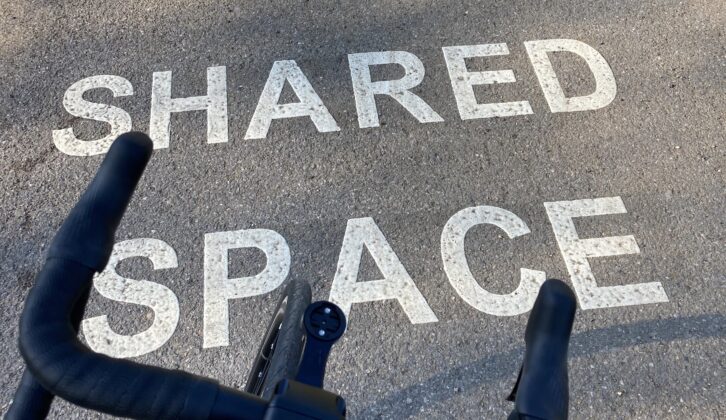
543, 390
87, 235
48, 327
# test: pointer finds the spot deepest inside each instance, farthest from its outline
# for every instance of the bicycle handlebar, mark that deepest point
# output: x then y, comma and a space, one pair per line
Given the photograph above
48, 327
59, 364
542, 390
87, 234
31, 401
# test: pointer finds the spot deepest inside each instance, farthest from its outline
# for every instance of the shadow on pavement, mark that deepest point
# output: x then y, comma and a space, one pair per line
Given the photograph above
586, 343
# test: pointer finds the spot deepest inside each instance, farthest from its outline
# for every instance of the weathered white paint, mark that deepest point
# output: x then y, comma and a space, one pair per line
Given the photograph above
219, 288
462, 82
159, 298
345, 290
365, 90
269, 109
396, 283
214, 102
576, 251
119, 120
456, 267
605, 89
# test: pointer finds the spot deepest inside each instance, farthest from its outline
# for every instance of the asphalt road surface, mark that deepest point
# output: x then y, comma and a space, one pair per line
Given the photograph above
642, 151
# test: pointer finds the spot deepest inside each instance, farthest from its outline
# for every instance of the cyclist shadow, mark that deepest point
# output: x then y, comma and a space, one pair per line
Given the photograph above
582, 344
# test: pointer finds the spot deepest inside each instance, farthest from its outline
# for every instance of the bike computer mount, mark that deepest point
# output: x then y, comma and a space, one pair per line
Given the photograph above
303, 398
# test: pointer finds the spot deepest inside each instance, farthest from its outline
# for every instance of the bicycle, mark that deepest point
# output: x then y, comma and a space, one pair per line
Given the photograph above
287, 378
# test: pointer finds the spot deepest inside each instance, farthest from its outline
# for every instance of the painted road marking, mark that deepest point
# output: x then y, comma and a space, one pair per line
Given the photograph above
214, 102
576, 251
400, 90
159, 298
311, 106
605, 88
396, 284
346, 291
269, 109
219, 288
74, 103
457, 269
463, 82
